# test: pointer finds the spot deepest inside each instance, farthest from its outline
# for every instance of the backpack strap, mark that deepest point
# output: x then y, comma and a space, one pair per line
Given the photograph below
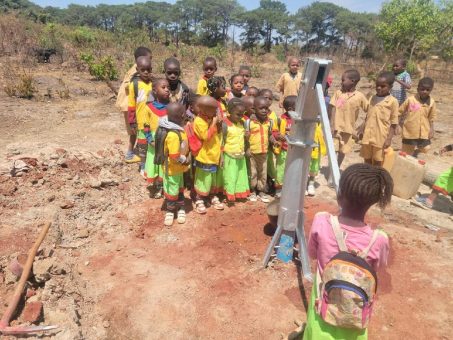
135, 82
364, 253
339, 234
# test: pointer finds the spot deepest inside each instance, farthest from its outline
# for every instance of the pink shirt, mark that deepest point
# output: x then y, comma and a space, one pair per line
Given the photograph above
322, 244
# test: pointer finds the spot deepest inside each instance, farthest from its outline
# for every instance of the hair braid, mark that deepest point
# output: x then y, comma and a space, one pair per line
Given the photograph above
364, 185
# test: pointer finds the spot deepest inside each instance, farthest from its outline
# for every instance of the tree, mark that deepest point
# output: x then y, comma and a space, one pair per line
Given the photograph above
273, 14
408, 26
252, 24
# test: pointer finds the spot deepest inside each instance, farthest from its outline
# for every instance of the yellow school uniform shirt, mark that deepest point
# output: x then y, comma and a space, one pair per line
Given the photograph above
173, 147
122, 98
259, 136
347, 108
318, 139
381, 114
139, 104
288, 85
273, 116
202, 88
234, 142
211, 142
419, 116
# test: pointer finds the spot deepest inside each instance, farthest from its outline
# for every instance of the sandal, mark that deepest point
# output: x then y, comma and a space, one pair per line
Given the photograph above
200, 207
169, 217
216, 203
181, 218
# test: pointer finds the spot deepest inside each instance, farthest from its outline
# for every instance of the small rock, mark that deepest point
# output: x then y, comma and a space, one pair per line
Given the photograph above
40, 181
95, 183
67, 205
32, 312
54, 156
30, 292
106, 324
42, 269
51, 198
87, 263
118, 142
83, 233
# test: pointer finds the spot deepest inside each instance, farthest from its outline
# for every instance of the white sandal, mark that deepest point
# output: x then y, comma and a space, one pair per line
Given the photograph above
200, 207
216, 203
181, 217
169, 217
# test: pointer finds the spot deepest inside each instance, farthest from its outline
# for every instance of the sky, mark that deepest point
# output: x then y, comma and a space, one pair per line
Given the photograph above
292, 5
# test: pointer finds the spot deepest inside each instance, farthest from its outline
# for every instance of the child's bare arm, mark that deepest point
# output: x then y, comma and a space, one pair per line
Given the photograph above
407, 86
388, 141
331, 111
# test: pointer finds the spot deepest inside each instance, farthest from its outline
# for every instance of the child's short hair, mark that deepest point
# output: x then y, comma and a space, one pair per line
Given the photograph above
291, 58
234, 76
193, 98
402, 61
289, 101
245, 67
426, 81
214, 83
210, 60
263, 91
157, 81
388, 76
353, 74
254, 88
363, 185
141, 51
171, 61
235, 102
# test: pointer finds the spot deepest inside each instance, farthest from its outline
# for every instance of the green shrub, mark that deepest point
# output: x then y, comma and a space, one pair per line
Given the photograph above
104, 69
83, 36
279, 52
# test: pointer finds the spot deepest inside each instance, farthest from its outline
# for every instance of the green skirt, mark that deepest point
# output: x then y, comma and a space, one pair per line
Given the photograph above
317, 329
235, 178
281, 162
207, 182
153, 172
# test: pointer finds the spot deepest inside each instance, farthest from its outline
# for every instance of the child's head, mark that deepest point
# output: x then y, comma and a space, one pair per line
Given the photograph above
349, 80
399, 66
363, 185
266, 93
252, 91
207, 106
142, 52
384, 83
289, 103
209, 67
261, 106
193, 103
161, 90
424, 88
144, 68
236, 109
246, 72
249, 103
293, 65
237, 83
216, 87
176, 113
172, 70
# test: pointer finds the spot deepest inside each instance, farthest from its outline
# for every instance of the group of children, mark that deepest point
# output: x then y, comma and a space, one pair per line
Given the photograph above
225, 140
222, 141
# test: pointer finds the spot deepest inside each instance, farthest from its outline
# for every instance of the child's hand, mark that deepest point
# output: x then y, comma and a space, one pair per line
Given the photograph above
398, 130
387, 143
281, 137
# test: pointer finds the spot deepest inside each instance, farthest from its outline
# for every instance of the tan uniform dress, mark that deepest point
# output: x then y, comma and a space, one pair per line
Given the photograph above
122, 100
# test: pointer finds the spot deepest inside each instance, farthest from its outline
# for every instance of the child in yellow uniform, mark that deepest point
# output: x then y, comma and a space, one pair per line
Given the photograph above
271, 169
289, 104
417, 119
237, 87
138, 118
122, 102
344, 107
381, 121
209, 69
259, 134
207, 128
235, 179
246, 72
156, 110
289, 82
176, 153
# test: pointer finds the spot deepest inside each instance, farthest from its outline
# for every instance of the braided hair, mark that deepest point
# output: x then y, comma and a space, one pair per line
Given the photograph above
214, 83
363, 185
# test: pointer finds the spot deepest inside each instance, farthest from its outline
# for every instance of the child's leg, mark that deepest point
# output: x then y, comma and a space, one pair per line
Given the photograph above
142, 147
171, 185
216, 189
242, 182
271, 171
280, 169
253, 176
408, 148
366, 153
262, 177
313, 172
131, 157
202, 185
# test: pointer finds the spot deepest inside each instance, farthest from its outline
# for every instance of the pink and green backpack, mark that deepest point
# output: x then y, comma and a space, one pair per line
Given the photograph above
347, 286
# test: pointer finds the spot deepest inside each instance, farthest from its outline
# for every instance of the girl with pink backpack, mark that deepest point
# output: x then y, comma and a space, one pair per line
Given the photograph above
348, 254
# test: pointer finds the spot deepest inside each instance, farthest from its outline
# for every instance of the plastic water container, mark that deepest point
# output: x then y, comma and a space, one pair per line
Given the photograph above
389, 159
407, 173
